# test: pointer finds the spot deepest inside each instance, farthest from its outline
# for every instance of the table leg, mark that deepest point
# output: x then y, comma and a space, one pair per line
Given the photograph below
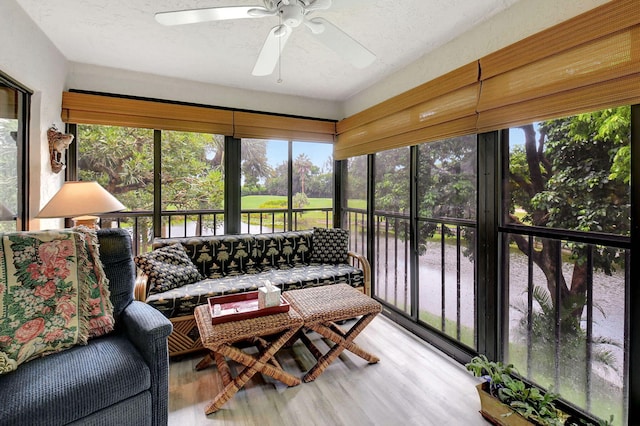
342, 342
253, 365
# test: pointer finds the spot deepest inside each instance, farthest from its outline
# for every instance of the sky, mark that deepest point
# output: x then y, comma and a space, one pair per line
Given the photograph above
317, 152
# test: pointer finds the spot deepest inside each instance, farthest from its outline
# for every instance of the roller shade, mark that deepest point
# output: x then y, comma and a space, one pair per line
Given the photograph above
587, 63
8, 103
83, 108
443, 107
266, 126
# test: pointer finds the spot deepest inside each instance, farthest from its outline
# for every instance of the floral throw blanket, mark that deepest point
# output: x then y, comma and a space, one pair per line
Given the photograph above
53, 294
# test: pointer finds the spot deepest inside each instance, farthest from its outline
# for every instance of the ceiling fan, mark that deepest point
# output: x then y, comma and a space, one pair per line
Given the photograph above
292, 13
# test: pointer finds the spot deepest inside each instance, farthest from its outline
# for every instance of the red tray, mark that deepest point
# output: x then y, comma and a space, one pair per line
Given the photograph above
241, 306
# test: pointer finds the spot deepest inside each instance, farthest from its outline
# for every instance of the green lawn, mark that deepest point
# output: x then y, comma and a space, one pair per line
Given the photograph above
306, 220
252, 202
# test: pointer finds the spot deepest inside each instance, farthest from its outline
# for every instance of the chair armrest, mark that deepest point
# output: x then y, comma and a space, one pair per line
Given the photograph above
359, 261
146, 327
140, 287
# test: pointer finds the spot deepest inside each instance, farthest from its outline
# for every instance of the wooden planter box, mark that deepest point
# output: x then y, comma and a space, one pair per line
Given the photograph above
494, 410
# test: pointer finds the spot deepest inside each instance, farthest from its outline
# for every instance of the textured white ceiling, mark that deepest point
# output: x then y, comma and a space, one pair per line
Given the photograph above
124, 34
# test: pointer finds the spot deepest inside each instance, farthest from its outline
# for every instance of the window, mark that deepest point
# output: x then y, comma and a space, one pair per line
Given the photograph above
192, 180
392, 201
355, 217
567, 222
446, 203
13, 128
286, 185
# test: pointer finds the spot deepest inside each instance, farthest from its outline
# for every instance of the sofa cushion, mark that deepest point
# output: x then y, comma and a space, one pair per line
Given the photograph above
167, 267
70, 385
283, 250
43, 302
330, 245
182, 301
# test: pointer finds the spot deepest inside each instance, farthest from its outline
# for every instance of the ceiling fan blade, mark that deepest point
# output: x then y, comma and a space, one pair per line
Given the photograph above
271, 50
193, 16
318, 5
340, 42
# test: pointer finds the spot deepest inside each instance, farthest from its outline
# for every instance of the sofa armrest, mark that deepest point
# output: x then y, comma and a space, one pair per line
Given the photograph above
146, 327
149, 330
140, 290
361, 262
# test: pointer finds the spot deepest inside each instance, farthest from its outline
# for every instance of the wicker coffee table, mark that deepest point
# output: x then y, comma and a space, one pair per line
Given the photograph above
321, 308
219, 339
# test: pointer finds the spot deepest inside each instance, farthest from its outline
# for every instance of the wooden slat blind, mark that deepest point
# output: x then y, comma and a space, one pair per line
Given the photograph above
8, 103
83, 108
265, 126
599, 72
587, 63
427, 110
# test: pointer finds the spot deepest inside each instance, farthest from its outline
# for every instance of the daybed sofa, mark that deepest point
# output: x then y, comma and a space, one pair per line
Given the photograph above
119, 378
182, 273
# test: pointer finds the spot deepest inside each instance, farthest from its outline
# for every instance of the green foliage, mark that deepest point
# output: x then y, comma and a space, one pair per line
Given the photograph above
274, 204
300, 200
528, 401
121, 160
573, 339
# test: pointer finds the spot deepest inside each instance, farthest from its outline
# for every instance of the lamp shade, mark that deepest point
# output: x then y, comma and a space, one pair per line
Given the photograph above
80, 199
5, 213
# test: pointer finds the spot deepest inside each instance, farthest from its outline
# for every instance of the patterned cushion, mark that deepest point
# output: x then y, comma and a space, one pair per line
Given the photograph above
217, 256
42, 301
182, 301
330, 245
283, 250
167, 268
100, 312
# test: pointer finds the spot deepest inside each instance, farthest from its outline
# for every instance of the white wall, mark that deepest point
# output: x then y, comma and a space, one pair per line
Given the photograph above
111, 80
28, 57
521, 20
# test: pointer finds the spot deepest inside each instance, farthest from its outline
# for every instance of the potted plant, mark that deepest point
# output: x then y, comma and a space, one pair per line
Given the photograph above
506, 400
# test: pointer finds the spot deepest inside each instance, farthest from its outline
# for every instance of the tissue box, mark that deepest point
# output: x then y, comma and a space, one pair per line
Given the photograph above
268, 297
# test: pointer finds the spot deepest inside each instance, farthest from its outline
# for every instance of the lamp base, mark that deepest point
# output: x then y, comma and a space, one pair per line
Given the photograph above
90, 222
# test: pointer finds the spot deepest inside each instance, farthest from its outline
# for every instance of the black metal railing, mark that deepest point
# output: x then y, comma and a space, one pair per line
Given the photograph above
439, 241
192, 223
567, 324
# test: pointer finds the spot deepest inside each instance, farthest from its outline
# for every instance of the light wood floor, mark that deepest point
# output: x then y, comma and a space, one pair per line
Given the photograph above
413, 384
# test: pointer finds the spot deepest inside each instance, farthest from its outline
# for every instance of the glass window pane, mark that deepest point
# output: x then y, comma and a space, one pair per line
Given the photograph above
392, 260
121, 160
193, 180
265, 183
312, 185
9, 158
446, 201
572, 173
566, 332
354, 183
567, 296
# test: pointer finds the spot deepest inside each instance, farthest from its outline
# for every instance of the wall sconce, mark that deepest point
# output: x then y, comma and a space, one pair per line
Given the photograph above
79, 200
58, 142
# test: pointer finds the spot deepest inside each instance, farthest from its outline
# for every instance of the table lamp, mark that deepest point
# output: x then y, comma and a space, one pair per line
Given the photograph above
79, 201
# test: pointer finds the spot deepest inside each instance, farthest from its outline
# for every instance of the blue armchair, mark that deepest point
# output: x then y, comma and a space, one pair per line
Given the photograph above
117, 379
